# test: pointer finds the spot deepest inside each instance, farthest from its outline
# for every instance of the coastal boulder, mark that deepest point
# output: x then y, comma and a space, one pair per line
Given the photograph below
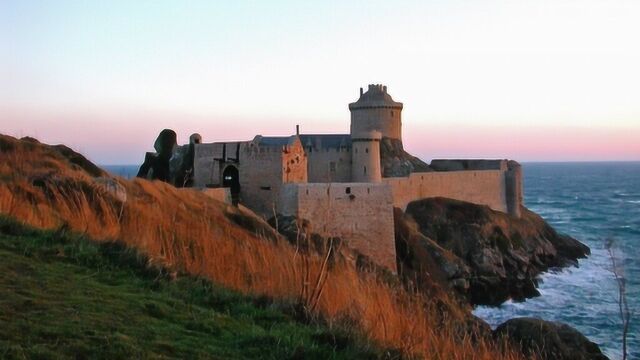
156, 165
548, 340
504, 254
423, 263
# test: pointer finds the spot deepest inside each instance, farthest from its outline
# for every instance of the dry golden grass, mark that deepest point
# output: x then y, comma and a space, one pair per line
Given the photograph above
185, 230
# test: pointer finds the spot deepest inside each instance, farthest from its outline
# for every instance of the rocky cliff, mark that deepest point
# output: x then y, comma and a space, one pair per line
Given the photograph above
485, 255
395, 161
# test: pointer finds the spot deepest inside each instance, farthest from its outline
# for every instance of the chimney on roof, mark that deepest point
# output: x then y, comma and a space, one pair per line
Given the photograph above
361, 92
297, 129
384, 89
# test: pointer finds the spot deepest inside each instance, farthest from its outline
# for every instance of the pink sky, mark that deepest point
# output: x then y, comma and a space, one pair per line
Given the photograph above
542, 80
122, 137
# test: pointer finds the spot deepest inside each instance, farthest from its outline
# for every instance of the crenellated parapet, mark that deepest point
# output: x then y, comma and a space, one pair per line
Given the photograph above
376, 110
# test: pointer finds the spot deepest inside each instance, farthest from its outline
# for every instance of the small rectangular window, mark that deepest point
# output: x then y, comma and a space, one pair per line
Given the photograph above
348, 190
265, 187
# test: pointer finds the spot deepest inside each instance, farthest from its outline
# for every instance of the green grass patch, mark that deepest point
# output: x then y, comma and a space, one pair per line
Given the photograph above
63, 296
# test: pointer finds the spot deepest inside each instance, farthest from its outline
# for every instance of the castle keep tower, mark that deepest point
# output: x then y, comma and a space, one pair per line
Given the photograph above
376, 110
365, 157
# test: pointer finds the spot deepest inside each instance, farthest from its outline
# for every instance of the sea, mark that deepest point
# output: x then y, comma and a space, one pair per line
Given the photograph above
592, 202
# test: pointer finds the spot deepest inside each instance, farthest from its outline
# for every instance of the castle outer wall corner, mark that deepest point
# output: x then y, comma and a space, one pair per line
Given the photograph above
361, 214
514, 189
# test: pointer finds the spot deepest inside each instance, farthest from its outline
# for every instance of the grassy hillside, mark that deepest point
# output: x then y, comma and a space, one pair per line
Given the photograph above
183, 230
65, 297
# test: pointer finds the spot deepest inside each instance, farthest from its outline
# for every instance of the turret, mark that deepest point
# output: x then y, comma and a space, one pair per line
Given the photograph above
365, 157
375, 110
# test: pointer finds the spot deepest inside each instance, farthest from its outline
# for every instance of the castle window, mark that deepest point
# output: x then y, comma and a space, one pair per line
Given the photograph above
366, 150
391, 112
265, 187
307, 191
368, 191
348, 190
356, 150
365, 170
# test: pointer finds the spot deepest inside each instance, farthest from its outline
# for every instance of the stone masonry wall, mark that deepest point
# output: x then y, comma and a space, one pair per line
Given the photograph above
207, 162
294, 165
485, 187
260, 174
205, 168
320, 169
359, 213
386, 120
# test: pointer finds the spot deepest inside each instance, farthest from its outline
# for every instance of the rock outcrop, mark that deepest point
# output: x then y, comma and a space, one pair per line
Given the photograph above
485, 255
395, 161
62, 152
548, 340
156, 165
422, 263
181, 163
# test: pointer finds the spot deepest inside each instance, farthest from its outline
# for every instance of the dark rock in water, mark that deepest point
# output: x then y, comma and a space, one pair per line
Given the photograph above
156, 165
548, 340
503, 254
396, 162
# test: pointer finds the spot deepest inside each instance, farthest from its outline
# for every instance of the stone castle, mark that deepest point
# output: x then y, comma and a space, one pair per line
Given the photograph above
345, 184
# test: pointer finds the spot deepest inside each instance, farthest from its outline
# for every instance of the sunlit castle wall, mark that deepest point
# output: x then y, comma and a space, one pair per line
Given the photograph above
365, 153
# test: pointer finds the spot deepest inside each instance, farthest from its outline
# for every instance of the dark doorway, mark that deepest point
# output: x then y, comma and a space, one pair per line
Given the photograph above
231, 179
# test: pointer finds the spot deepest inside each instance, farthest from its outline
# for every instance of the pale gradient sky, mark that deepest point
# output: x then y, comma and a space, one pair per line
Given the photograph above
537, 80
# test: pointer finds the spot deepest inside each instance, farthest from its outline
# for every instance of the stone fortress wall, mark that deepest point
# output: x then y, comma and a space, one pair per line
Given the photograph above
505, 195
331, 164
265, 169
360, 213
365, 154
335, 180
486, 187
209, 161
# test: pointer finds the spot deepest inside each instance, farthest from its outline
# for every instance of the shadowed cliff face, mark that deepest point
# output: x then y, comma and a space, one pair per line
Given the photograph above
396, 162
485, 255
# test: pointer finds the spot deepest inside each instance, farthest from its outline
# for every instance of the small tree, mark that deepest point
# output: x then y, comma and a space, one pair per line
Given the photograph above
623, 307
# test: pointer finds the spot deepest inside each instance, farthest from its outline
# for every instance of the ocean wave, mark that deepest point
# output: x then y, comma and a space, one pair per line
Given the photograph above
589, 206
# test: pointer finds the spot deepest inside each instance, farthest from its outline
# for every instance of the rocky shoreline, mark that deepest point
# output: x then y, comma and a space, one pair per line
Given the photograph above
486, 256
